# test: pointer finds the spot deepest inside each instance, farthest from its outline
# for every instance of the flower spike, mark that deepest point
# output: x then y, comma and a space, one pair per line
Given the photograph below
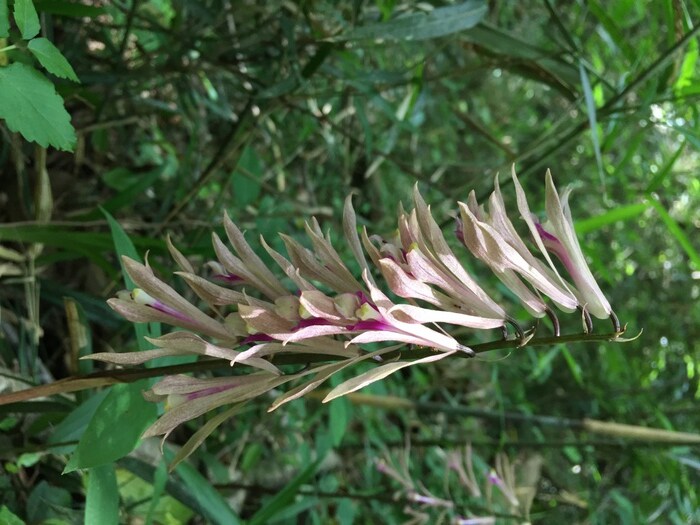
411, 290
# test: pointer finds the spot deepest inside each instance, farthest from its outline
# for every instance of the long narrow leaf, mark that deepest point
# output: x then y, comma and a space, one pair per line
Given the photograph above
675, 230
439, 22
620, 213
210, 502
282, 500
592, 120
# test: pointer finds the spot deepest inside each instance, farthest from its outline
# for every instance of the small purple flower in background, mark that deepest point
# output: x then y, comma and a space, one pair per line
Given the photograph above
515, 501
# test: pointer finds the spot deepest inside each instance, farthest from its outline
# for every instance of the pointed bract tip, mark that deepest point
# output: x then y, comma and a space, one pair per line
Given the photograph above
466, 350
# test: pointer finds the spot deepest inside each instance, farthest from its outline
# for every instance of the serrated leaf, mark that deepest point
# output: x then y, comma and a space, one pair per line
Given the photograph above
423, 26
51, 58
26, 18
116, 427
377, 374
30, 106
4, 19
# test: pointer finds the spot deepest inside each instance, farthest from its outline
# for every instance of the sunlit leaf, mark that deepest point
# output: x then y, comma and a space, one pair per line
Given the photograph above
675, 230
617, 214
4, 19
30, 105
51, 58
26, 18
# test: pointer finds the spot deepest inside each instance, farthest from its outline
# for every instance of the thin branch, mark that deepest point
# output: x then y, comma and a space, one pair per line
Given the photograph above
111, 377
593, 426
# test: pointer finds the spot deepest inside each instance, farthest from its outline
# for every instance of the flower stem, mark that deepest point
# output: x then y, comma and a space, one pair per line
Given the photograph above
111, 377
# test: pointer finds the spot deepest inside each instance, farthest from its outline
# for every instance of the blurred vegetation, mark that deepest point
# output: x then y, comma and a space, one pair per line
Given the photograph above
275, 111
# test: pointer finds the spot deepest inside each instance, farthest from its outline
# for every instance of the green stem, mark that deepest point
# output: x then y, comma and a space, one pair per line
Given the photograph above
111, 377
8, 48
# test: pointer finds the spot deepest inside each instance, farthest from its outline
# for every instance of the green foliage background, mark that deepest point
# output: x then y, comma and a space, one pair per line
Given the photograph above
274, 111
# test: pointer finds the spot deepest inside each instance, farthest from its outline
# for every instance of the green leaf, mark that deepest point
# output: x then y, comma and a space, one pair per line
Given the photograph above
525, 59
665, 170
73, 425
131, 186
592, 121
30, 106
102, 499
677, 232
573, 365
71, 9
439, 22
245, 179
116, 427
47, 502
124, 246
620, 213
4, 32
160, 479
212, 504
8, 518
51, 58
338, 415
687, 74
26, 18
284, 498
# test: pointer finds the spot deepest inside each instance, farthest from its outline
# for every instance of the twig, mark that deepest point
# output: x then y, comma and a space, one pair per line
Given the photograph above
111, 377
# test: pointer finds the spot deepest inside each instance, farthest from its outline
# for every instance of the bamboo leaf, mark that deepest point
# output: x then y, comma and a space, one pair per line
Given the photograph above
592, 120
285, 496
675, 230
212, 504
617, 214
439, 22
